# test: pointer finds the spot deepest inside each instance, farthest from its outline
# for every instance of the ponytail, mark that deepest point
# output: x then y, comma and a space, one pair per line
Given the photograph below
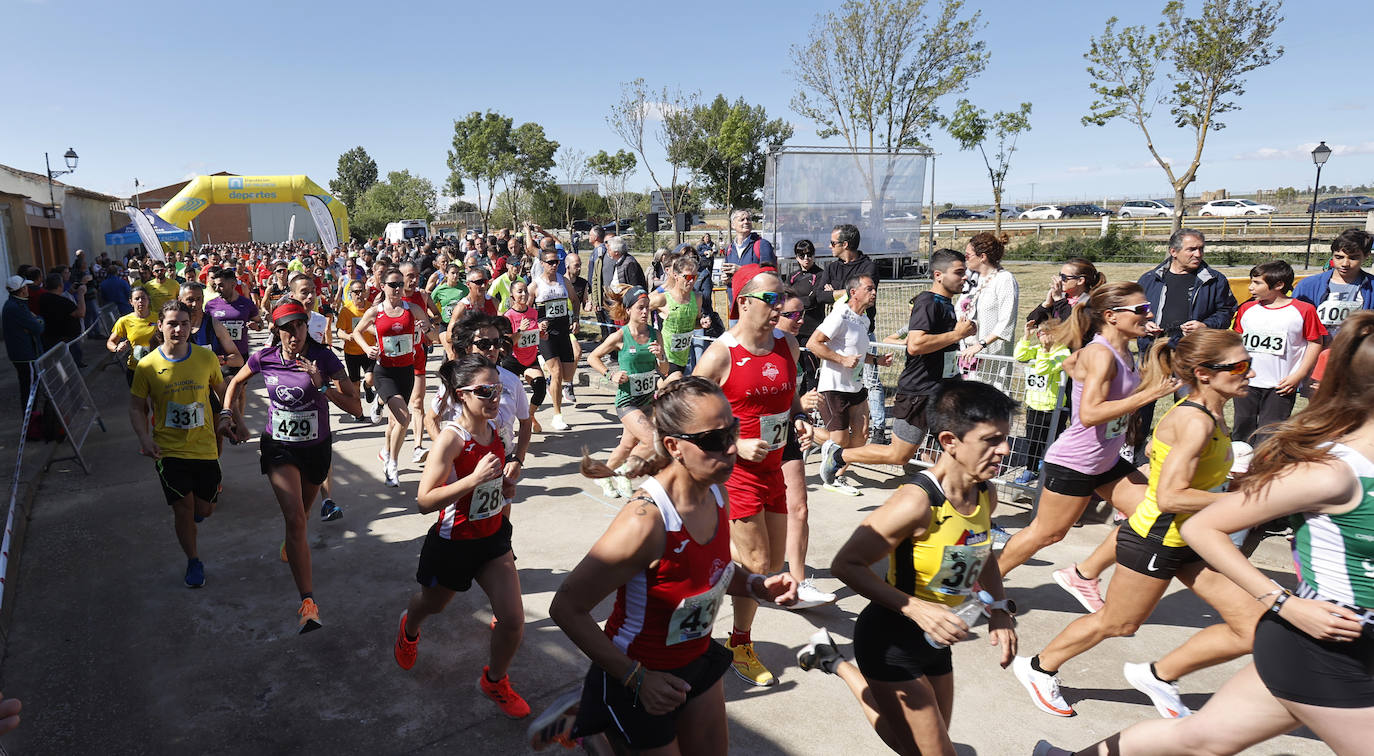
1074, 330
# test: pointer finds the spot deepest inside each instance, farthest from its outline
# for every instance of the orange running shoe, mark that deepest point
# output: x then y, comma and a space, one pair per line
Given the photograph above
406, 649
309, 616
510, 702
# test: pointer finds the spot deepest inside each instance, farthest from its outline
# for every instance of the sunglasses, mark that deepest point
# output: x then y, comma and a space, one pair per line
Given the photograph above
482, 282
551, 261
793, 314
485, 344
712, 441
1063, 277
395, 284
356, 292
1141, 309
1234, 368
834, 244
484, 390
770, 298
808, 254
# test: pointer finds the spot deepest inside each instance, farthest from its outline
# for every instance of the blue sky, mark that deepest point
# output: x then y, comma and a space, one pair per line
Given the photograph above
163, 91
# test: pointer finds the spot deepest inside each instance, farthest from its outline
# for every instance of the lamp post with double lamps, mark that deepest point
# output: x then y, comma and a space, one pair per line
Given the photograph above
71, 159
1319, 156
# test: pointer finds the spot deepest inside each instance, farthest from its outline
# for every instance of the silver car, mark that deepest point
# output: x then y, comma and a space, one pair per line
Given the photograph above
1145, 209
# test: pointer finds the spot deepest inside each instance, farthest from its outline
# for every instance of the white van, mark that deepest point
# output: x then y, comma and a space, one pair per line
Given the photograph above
405, 230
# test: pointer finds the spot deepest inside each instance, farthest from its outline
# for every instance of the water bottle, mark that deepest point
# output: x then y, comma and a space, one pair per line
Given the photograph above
969, 611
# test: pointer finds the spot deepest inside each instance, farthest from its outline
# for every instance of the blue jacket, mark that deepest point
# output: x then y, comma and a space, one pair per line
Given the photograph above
1209, 301
756, 250
22, 330
1313, 289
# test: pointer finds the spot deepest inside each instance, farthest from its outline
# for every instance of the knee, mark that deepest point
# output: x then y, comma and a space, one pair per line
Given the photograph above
1044, 535
1118, 628
797, 509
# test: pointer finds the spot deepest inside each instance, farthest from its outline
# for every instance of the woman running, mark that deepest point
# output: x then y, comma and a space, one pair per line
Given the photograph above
523, 359
422, 301
654, 684
1190, 459
134, 332
551, 299
640, 364
1086, 458
296, 444
680, 309
1314, 650
937, 538
484, 335
394, 322
470, 540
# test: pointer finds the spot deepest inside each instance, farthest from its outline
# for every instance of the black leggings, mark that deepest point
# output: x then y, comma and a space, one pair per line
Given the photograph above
538, 386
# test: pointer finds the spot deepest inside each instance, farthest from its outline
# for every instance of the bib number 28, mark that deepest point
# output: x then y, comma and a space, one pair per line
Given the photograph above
486, 500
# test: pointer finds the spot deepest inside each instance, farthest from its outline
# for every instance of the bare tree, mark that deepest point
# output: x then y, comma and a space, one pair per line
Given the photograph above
972, 127
630, 119
572, 167
1193, 66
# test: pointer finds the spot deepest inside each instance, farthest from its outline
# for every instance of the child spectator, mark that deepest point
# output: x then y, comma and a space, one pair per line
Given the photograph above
1283, 336
1044, 376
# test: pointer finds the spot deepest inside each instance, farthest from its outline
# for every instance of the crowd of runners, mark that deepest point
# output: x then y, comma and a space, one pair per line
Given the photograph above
456, 347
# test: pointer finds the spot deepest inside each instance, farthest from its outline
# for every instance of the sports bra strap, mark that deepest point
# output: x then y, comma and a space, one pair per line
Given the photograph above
1191, 403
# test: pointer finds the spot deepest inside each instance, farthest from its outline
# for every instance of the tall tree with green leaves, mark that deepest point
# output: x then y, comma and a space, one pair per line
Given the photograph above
356, 172
873, 74
401, 196
612, 172
1195, 67
530, 168
972, 127
727, 143
483, 152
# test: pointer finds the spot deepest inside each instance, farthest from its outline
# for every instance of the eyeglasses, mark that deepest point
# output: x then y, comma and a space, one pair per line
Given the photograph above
770, 298
485, 344
395, 284
484, 390
793, 314
551, 261
1140, 309
356, 292
834, 244
1234, 368
712, 441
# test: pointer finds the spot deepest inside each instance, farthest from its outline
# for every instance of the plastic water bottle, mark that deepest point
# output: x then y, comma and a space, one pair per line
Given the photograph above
969, 611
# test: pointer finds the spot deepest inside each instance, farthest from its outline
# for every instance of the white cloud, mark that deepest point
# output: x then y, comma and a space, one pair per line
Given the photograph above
1304, 151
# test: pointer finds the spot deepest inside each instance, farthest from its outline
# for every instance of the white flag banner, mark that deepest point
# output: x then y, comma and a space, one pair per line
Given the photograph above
291, 229
324, 222
146, 233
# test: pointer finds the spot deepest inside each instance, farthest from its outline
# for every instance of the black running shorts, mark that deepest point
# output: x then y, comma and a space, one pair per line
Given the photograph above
312, 460
888, 647
179, 477
1294, 666
454, 564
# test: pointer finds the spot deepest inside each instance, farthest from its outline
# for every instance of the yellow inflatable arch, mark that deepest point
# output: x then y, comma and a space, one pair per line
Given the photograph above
247, 190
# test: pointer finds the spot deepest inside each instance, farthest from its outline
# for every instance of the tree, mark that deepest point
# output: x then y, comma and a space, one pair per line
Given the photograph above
401, 197
728, 144
972, 127
874, 73
484, 152
529, 167
356, 172
462, 206
612, 172
573, 169
629, 119
1194, 66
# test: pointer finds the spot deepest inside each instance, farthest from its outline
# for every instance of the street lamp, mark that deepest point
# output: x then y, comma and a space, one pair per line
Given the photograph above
1319, 156
71, 159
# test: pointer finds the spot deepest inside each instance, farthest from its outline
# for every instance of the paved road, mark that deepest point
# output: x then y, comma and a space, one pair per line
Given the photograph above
112, 655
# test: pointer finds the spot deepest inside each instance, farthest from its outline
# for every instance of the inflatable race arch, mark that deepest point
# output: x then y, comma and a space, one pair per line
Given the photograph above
331, 218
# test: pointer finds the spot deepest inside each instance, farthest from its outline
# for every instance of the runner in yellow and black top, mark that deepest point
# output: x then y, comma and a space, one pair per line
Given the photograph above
174, 381
936, 535
1190, 457
134, 332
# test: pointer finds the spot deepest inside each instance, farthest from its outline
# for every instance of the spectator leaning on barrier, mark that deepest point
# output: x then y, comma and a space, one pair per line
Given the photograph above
991, 303
23, 334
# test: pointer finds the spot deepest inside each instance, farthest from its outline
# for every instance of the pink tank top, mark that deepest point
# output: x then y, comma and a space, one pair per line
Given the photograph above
1093, 451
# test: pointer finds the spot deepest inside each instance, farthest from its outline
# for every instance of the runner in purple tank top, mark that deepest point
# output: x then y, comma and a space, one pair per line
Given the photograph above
1086, 458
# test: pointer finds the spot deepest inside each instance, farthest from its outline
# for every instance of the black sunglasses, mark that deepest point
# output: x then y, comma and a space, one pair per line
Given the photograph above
712, 441
395, 284
482, 282
485, 344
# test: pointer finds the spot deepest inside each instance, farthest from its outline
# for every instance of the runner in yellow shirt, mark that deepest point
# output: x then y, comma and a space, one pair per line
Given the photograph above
134, 332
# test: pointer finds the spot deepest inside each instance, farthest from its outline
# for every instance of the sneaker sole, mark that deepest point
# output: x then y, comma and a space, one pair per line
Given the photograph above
1036, 699
310, 626
498, 706
805, 605
332, 516
752, 681
556, 711
1068, 588
841, 491
1144, 687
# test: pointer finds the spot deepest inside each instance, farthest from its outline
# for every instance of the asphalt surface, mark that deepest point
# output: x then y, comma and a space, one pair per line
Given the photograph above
111, 654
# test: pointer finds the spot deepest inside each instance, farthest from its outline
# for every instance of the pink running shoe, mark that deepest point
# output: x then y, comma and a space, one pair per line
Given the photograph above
1088, 593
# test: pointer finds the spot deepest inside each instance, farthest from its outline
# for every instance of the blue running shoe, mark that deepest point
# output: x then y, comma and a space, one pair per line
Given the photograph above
330, 511
195, 573
1000, 536
831, 461
1026, 477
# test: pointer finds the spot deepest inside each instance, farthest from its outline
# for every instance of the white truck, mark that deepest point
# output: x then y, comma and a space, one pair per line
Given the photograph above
405, 230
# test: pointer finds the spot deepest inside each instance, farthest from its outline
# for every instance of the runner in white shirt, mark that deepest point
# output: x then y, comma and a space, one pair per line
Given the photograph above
1283, 336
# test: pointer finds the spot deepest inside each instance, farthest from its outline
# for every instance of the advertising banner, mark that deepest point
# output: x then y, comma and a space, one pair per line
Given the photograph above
146, 233
324, 222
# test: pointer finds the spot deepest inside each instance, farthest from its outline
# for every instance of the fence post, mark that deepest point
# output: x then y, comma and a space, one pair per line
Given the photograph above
1103, 232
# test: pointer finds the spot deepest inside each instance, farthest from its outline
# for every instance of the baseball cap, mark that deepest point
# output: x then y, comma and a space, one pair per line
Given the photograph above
287, 312
15, 283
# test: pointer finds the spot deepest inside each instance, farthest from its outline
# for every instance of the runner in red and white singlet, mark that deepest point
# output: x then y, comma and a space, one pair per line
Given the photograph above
422, 303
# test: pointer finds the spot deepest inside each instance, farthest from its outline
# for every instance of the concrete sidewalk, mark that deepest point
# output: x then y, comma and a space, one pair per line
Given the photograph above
112, 654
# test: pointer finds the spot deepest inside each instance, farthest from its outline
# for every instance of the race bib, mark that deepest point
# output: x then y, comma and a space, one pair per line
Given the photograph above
643, 383
1264, 342
1036, 382
679, 342
235, 329
295, 426
1333, 312
184, 416
858, 375
556, 308
398, 346
486, 500
951, 366
959, 568
528, 339
696, 615
773, 430
1118, 426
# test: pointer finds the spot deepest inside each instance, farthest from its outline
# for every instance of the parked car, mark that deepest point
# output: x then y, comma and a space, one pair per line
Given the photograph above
955, 213
1085, 211
625, 226
1145, 209
1008, 211
582, 225
1234, 207
1357, 203
1044, 212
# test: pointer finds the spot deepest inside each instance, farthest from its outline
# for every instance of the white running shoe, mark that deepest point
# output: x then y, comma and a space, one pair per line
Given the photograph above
392, 479
819, 652
808, 595
623, 486
419, 455
841, 486
1162, 694
377, 411
608, 488
558, 423
1043, 688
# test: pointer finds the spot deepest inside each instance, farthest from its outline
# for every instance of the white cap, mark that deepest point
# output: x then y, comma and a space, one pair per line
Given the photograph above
15, 283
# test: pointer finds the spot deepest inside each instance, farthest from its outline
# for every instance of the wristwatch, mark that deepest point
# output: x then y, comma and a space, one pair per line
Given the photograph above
982, 343
512, 458
1006, 605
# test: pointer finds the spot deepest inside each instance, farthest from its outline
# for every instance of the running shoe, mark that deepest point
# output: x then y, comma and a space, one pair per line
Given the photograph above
569, 398
820, 653
608, 488
748, 666
392, 478
368, 394
831, 461
841, 486
808, 595
419, 455
877, 436
330, 511
554, 725
1027, 477
283, 551
1088, 592
1043, 688
510, 702
195, 573
1043, 748
377, 412
406, 649
558, 423
623, 486
1162, 694
309, 615
1000, 536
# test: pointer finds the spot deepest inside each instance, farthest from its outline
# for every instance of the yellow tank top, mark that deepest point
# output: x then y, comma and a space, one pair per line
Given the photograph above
943, 564
1213, 466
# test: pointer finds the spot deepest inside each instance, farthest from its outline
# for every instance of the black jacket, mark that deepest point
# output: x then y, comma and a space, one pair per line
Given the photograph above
839, 271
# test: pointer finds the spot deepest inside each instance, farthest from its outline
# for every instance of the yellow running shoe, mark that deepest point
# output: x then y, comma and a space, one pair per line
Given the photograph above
309, 616
748, 666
